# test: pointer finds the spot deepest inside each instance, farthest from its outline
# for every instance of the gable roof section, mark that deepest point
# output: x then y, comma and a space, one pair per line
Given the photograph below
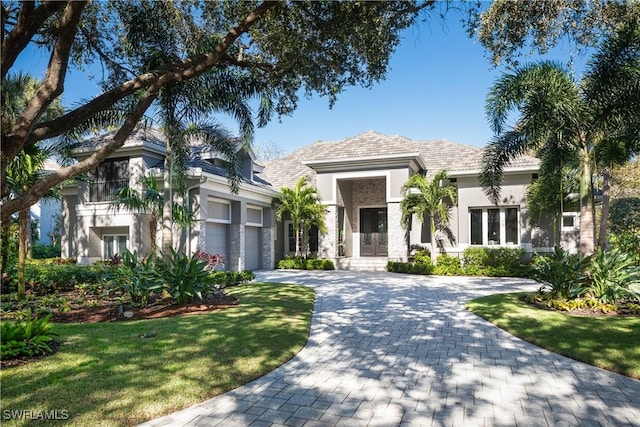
151, 138
436, 155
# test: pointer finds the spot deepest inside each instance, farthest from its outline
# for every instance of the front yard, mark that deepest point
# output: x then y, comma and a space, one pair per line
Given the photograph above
123, 373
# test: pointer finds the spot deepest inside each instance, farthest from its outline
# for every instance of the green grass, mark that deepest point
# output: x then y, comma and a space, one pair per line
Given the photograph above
608, 342
105, 374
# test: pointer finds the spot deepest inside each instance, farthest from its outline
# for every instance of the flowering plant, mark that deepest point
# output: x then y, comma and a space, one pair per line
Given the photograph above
213, 260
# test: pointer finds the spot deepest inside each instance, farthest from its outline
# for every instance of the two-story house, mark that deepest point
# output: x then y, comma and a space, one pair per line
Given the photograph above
358, 179
238, 226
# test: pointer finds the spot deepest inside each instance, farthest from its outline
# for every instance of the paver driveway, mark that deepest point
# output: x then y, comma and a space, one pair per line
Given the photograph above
389, 349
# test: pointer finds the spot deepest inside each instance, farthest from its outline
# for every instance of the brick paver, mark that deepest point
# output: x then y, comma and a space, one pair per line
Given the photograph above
396, 350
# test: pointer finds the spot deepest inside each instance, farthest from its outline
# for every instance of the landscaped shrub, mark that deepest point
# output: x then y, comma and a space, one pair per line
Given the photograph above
410, 267
422, 256
29, 337
561, 274
301, 263
225, 279
613, 276
45, 278
40, 251
494, 262
448, 265
136, 278
184, 277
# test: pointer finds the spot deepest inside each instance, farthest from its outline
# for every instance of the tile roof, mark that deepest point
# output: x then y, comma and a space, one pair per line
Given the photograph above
137, 137
436, 154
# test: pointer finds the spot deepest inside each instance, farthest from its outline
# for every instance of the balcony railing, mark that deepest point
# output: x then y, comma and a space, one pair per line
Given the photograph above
103, 191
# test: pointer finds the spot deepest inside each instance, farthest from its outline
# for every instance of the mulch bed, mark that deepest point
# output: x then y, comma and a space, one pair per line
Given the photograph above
113, 313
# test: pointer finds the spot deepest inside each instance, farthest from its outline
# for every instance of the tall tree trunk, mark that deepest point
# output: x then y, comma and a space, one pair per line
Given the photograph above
29, 236
432, 226
604, 216
153, 234
5, 228
167, 232
297, 233
587, 223
22, 252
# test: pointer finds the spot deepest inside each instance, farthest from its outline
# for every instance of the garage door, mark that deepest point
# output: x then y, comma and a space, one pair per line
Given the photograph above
252, 248
217, 240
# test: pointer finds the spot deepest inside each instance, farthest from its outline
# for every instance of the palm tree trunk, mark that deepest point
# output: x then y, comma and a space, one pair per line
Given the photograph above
22, 252
587, 223
167, 232
153, 234
604, 217
297, 233
432, 225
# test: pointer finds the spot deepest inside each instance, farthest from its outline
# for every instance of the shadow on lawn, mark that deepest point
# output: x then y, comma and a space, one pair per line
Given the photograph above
188, 360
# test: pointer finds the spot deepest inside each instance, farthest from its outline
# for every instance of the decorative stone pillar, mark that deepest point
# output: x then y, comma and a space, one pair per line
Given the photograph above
268, 248
397, 246
236, 255
327, 243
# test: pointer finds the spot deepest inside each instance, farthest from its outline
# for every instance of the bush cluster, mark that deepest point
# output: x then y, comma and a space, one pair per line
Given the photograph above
302, 263
492, 262
608, 277
28, 338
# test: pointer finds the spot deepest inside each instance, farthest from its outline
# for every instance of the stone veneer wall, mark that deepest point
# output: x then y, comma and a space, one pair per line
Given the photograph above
367, 192
397, 248
236, 247
268, 261
327, 242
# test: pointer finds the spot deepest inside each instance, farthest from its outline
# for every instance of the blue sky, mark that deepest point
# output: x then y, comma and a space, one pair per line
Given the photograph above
435, 89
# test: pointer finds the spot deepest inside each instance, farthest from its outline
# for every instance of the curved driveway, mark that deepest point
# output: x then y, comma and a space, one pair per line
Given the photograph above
390, 349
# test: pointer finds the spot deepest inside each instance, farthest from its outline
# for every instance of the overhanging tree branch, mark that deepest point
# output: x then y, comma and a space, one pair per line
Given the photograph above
182, 70
30, 19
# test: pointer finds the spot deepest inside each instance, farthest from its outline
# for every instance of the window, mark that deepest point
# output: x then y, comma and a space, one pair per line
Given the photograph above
113, 244
511, 225
254, 216
219, 211
109, 176
290, 238
494, 226
476, 226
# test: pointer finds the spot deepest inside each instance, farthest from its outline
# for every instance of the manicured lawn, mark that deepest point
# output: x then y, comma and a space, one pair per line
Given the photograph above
105, 374
611, 343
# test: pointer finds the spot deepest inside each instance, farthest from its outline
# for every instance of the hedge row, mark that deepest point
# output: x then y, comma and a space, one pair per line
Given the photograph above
498, 262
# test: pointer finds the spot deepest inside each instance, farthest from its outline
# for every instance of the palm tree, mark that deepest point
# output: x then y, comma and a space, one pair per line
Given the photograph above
27, 167
23, 171
184, 107
149, 201
429, 198
556, 111
302, 206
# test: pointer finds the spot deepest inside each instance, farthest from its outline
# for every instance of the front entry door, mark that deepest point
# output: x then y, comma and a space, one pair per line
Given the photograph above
373, 232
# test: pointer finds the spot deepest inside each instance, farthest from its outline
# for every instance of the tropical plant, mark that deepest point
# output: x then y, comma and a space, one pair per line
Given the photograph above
149, 200
29, 337
613, 275
26, 168
184, 277
136, 278
429, 199
303, 207
562, 274
624, 223
448, 265
556, 111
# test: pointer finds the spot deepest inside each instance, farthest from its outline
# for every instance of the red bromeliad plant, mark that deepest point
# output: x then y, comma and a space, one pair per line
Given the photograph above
213, 260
